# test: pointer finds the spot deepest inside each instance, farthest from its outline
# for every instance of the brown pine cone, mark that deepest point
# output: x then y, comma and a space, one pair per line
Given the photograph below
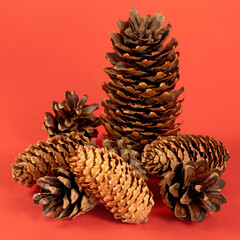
191, 189
38, 160
164, 153
126, 151
143, 103
109, 177
72, 115
61, 195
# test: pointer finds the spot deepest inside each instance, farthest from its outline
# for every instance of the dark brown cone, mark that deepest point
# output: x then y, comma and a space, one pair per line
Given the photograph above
191, 189
143, 103
164, 153
72, 115
109, 177
125, 149
38, 160
61, 195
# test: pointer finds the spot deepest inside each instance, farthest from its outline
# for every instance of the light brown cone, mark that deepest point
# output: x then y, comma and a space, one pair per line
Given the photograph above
72, 115
142, 101
61, 196
109, 177
38, 160
125, 149
191, 189
164, 153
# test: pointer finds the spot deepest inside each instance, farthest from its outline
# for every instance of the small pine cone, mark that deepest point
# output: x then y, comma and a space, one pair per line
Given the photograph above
164, 153
61, 195
142, 101
126, 151
109, 177
192, 189
72, 115
38, 160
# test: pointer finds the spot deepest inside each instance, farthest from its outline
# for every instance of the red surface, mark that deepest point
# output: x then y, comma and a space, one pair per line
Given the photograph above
47, 47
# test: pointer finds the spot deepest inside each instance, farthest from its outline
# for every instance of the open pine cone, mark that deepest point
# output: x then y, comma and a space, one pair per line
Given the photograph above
191, 189
61, 195
72, 115
143, 103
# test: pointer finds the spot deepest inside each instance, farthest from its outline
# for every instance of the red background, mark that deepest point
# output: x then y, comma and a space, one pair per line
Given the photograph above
47, 47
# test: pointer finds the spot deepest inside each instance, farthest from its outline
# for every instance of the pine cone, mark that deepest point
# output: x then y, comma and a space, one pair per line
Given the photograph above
38, 160
61, 195
192, 189
109, 177
72, 115
126, 151
143, 104
164, 153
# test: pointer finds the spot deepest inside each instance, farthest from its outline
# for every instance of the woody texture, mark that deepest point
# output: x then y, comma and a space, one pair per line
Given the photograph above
191, 167
105, 174
128, 153
72, 115
142, 101
38, 160
61, 197
191, 189
164, 153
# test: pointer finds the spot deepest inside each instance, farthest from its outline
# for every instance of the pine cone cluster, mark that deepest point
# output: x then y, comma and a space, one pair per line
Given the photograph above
109, 177
61, 195
143, 103
143, 138
72, 115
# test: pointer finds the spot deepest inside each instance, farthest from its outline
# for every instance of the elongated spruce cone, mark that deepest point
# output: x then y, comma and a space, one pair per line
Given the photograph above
164, 153
191, 189
126, 151
38, 160
109, 177
143, 103
72, 115
61, 195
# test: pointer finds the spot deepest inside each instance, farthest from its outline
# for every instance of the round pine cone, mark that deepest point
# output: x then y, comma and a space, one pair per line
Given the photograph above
191, 189
61, 196
72, 115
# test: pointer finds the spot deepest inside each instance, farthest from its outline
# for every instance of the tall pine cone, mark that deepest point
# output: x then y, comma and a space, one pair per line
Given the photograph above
38, 160
126, 151
61, 195
164, 153
109, 177
143, 104
72, 115
191, 189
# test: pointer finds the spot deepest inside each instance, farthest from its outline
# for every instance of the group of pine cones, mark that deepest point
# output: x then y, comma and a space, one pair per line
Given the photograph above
142, 139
